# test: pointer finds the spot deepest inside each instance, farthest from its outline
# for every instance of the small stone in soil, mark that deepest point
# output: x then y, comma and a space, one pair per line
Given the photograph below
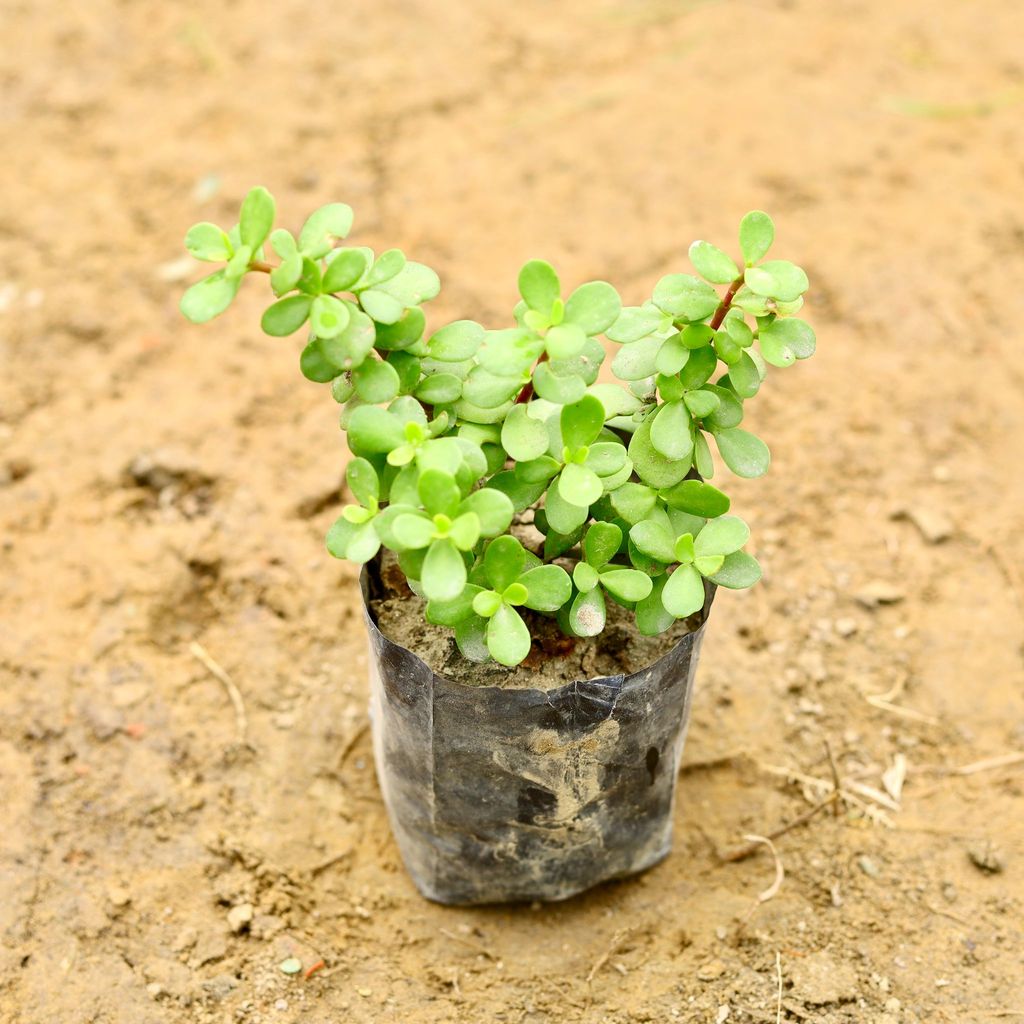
869, 867
819, 980
290, 966
878, 592
986, 857
935, 526
846, 626
711, 971
240, 917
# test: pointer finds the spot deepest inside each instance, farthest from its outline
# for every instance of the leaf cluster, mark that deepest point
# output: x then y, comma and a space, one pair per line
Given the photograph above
463, 435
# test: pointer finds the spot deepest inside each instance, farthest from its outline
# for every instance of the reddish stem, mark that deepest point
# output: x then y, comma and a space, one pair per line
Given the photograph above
723, 306
527, 393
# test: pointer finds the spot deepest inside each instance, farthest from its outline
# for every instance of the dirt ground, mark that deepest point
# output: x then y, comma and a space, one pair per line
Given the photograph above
163, 486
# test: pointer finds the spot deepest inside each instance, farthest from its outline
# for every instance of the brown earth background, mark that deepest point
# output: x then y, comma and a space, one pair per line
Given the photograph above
163, 485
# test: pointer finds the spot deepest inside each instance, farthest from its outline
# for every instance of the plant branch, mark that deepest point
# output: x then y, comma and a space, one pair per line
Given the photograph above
263, 268
726, 303
526, 394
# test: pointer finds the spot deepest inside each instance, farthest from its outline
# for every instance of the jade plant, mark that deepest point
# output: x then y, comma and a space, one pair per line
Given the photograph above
464, 437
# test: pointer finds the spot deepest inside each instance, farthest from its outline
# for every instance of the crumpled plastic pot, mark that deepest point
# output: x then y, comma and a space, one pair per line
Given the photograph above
498, 795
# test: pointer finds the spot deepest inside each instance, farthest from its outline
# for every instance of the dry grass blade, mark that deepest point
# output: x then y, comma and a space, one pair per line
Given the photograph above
772, 891
846, 791
477, 947
884, 702
748, 849
200, 653
778, 976
617, 939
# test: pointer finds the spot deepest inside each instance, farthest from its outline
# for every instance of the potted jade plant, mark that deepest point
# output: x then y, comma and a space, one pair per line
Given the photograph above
540, 545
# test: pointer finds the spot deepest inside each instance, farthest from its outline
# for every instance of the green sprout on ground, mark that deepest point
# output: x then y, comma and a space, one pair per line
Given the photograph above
472, 445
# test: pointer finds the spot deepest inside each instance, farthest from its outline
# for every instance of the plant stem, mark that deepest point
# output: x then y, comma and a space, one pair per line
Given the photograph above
263, 268
526, 394
725, 304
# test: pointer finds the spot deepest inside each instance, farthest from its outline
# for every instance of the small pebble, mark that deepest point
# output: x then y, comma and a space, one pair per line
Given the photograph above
711, 971
869, 867
240, 917
934, 525
986, 857
846, 626
290, 966
877, 592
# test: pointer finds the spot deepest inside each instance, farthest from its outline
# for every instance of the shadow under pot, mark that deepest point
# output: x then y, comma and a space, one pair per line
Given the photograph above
498, 795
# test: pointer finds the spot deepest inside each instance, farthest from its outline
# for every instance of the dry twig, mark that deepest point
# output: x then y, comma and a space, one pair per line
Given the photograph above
613, 946
469, 944
778, 975
200, 653
884, 702
742, 852
772, 891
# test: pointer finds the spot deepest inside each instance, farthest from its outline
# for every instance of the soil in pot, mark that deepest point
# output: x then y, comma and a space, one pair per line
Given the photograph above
554, 659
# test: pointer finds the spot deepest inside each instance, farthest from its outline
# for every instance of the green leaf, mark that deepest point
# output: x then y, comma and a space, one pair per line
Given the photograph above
562, 515
285, 276
685, 297
697, 498
637, 360
684, 592
617, 401
745, 377
356, 542
778, 279
581, 422
652, 617
323, 228
413, 284
487, 390
672, 356
539, 285
606, 458
553, 387
439, 389
413, 530
702, 461
503, 562
744, 453
375, 381
362, 481
328, 316
594, 306
439, 492
522, 436
738, 571
729, 411
315, 365
635, 322
486, 603
286, 316
547, 587
465, 531
626, 584
353, 344
701, 403
579, 485
671, 432
522, 493
565, 341
708, 565
456, 341
654, 469
722, 536
493, 508
256, 218
712, 264
451, 613
512, 351
207, 242
684, 549
444, 571
382, 307
470, 635
239, 263
585, 577
404, 333
757, 232
385, 267
699, 368
653, 540
408, 367
601, 543
784, 341
508, 639
633, 502
347, 267
208, 298
588, 613
542, 468
374, 431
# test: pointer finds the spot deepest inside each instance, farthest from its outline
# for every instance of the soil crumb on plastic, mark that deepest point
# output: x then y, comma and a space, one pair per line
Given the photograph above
554, 659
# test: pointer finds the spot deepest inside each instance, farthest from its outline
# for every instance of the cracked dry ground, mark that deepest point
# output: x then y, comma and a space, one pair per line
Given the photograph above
162, 485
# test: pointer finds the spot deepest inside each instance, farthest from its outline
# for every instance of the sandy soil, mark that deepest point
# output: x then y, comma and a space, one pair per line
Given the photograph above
162, 485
